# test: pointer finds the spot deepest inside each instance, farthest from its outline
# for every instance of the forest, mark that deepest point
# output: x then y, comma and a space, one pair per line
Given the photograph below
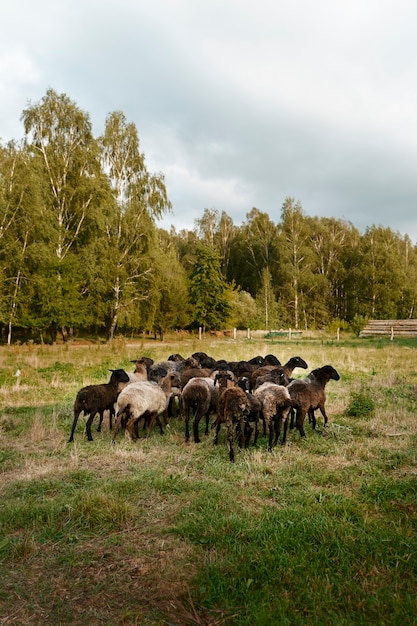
81, 253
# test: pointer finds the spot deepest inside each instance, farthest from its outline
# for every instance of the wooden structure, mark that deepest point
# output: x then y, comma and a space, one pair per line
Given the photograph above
283, 333
390, 328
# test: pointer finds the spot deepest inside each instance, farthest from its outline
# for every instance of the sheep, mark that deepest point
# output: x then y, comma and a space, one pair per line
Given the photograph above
243, 368
201, 397
271, 359
140, 372
94, 399
276, 404
159, 370
143, 399
194, 372
255, 412
280, 374
276, 375
292, 363
308, 394
233, 408
205, 360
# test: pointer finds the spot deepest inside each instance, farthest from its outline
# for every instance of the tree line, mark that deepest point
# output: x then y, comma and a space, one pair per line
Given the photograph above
81, 253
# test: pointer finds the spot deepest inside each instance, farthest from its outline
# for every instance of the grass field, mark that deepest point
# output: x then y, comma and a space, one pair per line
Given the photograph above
159, 532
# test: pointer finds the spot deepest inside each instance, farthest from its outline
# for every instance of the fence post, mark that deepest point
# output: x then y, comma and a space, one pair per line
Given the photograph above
199, 332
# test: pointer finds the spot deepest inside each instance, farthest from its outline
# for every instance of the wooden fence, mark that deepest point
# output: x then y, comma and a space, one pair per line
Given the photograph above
390, 328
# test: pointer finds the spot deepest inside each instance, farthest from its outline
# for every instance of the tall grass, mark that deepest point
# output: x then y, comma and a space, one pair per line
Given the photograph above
320, 531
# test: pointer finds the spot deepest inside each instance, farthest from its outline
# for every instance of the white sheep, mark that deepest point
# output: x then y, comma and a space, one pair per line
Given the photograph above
276, 404
143, 400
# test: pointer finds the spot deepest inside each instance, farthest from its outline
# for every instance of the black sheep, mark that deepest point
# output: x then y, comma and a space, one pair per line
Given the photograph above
95, 399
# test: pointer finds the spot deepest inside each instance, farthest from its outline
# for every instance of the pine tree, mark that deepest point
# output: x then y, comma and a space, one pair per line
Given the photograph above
210, 295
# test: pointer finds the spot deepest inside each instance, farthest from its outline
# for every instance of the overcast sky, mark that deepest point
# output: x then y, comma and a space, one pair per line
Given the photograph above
239, 104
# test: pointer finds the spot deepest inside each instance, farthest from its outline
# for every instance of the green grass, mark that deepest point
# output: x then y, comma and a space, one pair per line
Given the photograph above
158, 532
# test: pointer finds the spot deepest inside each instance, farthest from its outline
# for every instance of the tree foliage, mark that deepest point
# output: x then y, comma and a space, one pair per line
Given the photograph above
210, 295
80, 251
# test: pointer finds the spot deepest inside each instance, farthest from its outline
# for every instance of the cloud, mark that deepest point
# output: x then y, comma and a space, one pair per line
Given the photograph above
239, 104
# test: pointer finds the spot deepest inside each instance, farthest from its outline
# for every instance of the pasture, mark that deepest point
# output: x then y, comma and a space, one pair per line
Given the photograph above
320, 531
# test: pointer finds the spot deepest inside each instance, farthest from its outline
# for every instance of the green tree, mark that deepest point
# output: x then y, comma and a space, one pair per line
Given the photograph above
60, 136
331, 241
139, 198
168, 307
244, 310
266, 303
383, 278
296, 260
253, 248
20, 212
218, 230
209, 294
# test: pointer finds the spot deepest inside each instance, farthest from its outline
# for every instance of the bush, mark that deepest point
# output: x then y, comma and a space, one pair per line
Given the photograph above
361, 404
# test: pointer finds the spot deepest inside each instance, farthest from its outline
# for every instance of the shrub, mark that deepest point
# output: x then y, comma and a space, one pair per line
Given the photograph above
361, 404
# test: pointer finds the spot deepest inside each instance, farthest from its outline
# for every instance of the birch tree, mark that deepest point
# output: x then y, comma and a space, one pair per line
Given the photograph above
19, 215
139, 198
60, 136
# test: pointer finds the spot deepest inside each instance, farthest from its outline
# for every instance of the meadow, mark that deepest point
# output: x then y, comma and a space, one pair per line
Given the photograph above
157, 532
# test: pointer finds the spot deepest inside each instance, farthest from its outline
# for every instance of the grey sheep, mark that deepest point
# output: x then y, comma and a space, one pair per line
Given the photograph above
276, 404
143, 400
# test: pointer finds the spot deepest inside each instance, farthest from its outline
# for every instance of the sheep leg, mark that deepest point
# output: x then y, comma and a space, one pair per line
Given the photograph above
196, 422
255, 438
230, 439
74, 424
88, 425
187, 423
111, 416
130, 427
206, 432
216, 436
300, 422
151, 419
271, 433
277, 427
312, 418
323, 412
100, 420
248, 433
285, 430
158, 421
241, 433
292, 420
117, 425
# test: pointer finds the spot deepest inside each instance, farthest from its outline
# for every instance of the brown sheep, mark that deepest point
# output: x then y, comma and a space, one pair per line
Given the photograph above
308, 394
95, 399
233, 408
255, 413
200, 396
273, 371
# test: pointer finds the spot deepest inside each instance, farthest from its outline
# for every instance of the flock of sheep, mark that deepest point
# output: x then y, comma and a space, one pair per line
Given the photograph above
241, 395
